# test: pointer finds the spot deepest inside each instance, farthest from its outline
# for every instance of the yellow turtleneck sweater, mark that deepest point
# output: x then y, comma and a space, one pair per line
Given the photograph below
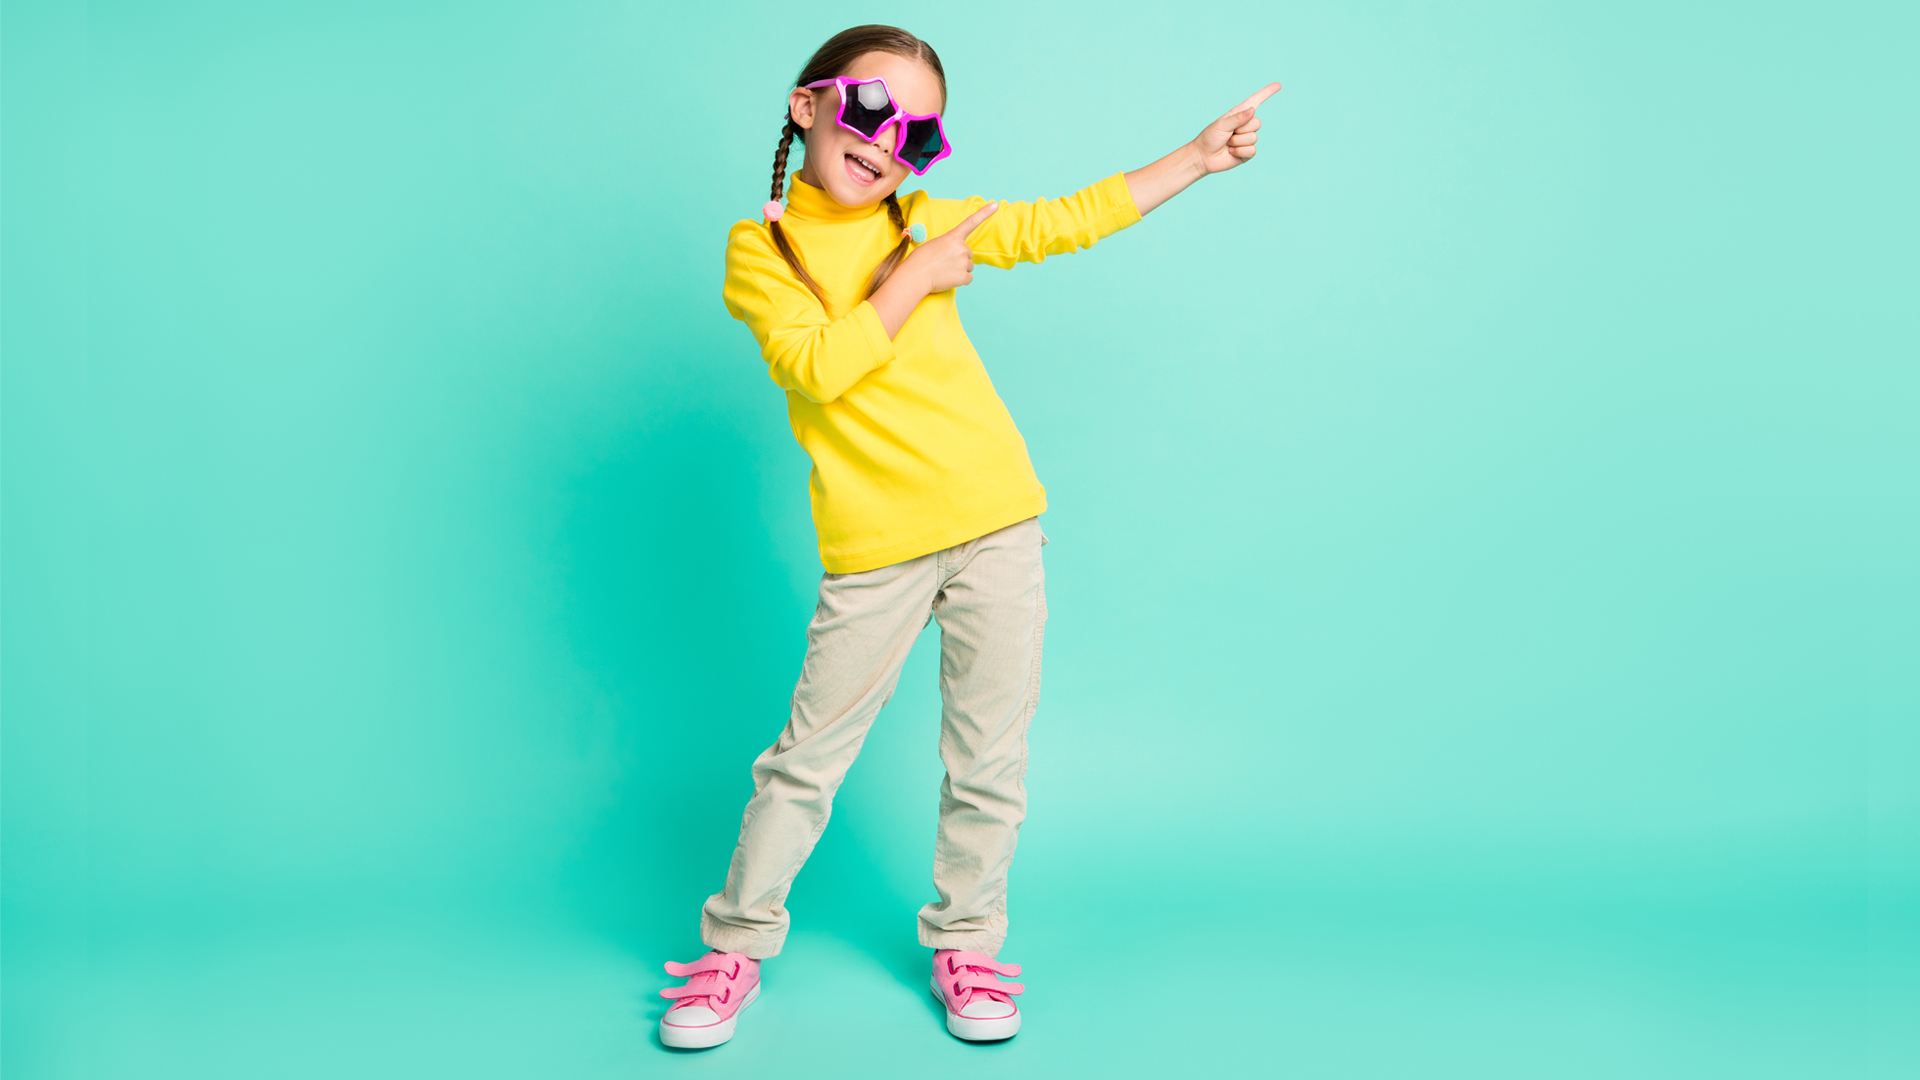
912, 449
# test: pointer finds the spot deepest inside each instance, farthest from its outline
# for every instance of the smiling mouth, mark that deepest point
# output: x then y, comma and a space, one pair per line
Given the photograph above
863, 170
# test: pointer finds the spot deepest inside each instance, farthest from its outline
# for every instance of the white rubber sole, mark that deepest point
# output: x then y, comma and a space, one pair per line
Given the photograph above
975, 1029
699, 1038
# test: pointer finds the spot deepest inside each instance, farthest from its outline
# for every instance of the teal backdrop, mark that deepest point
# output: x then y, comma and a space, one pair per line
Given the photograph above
1486, 544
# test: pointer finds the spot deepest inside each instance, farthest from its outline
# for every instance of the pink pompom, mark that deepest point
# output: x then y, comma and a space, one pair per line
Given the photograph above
773, 210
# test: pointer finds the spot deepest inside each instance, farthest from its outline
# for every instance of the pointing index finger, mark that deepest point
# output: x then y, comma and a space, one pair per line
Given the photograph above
965, 228
1253, 102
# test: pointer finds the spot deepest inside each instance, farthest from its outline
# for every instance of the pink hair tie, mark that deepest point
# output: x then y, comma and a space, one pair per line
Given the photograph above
773, 210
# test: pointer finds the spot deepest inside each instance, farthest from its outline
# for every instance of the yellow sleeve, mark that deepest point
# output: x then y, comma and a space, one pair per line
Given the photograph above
806, 352
1029, 232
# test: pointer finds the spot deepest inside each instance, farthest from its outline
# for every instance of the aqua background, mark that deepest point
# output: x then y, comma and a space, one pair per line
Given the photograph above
1484, 581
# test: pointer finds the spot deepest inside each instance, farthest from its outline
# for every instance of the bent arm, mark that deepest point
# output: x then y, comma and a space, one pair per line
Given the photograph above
817, 357
822, 361
896, 298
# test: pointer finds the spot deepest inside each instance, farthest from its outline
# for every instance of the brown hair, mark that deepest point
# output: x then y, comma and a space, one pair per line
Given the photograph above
830, 61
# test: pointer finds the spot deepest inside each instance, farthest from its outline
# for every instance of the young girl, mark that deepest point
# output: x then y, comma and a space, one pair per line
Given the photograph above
923, 498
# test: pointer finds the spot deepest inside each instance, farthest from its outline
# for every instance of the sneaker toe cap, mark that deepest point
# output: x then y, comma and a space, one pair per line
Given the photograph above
986, 1009
690, 1016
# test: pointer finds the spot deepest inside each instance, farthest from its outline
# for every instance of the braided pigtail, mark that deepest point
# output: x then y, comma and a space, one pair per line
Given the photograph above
892, 262
773, 212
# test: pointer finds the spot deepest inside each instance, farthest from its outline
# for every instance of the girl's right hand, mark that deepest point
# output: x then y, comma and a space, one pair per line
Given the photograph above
945, 261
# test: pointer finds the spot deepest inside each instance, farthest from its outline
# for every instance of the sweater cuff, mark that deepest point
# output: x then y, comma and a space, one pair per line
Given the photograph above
875, 332
1121, 209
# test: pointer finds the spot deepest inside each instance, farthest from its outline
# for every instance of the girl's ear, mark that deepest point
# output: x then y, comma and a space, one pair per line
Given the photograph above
800, 107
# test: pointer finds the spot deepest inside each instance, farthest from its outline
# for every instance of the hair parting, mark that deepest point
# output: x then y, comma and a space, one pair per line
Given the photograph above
830, 60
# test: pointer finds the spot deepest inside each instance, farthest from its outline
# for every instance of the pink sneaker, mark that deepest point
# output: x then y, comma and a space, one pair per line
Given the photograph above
980, 1007
718, 986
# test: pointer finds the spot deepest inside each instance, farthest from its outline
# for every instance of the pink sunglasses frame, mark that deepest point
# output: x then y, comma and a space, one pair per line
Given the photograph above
900, 117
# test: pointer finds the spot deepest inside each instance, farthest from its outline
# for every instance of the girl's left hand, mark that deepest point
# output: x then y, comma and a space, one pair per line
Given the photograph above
1230, 140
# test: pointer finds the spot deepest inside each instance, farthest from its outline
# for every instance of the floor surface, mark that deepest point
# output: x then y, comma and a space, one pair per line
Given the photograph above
1344, 987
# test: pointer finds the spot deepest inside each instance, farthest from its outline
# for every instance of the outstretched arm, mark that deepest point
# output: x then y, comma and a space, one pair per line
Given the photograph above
1225, 143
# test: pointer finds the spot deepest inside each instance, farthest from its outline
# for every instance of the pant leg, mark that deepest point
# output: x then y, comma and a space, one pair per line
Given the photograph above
862, 629
992, 608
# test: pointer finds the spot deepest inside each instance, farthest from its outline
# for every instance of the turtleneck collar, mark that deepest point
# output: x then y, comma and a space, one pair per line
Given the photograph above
815, 204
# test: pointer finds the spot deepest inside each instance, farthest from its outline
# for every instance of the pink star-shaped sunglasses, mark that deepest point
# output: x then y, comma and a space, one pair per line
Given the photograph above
867, 107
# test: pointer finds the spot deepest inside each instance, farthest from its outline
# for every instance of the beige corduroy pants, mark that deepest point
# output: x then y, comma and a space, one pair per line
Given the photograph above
990, 598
